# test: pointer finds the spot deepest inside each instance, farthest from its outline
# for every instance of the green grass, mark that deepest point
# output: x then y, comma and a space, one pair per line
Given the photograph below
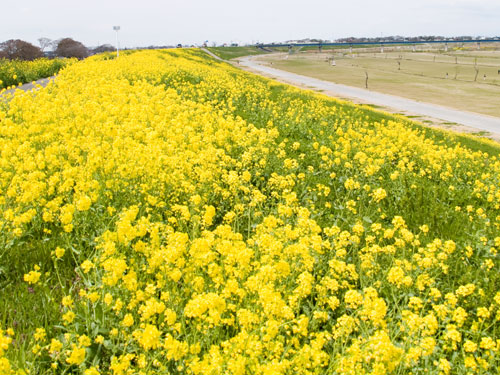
475, 141
228, 53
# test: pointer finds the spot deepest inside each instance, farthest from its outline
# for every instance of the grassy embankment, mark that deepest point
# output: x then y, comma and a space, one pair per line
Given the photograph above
193, 218
14, 72
228, 53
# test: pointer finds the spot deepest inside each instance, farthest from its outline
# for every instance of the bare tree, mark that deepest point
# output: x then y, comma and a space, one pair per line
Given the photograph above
103, 48
68, 47
476, 69
44, 43
16, 49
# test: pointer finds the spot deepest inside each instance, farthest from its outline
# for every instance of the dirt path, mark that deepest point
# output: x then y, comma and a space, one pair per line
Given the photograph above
211, 54
461, 120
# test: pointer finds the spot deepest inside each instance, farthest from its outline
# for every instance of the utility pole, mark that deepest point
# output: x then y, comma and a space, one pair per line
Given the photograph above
117, 28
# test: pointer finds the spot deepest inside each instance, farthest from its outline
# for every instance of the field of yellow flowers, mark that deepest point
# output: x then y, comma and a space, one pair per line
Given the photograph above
166, 213
15, 72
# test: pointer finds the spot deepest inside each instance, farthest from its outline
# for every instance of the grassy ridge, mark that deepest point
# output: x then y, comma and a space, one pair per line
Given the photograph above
193, 218
228, 53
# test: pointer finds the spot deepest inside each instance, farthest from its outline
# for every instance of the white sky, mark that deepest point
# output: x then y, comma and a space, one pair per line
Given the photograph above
155, 22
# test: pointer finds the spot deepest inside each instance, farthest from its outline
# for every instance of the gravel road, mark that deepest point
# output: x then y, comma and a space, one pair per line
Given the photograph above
395, 103
211, 54
27, 86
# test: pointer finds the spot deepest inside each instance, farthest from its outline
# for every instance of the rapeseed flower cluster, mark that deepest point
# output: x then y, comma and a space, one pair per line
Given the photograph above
220, 223
17, 72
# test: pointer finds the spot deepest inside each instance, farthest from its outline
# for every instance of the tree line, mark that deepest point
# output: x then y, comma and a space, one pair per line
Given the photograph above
16, 49
399, 38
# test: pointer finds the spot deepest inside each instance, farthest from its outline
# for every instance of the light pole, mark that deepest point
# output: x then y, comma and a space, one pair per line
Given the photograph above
117, 28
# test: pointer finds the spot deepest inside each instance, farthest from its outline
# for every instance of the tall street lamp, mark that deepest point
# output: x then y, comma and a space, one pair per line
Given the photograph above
117, 28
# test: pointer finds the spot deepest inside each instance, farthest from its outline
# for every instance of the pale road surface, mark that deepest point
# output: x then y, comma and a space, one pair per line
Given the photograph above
469, 119
28, 86
211, 54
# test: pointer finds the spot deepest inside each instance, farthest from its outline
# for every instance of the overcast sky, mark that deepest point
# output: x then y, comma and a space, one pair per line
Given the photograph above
155, 22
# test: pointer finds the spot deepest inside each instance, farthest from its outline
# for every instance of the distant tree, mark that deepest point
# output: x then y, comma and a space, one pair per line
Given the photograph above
68, 47
476, 69
45, 42
103, 48
16, 49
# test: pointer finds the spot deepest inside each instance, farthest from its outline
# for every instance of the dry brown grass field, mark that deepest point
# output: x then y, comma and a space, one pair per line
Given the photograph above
465, 79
